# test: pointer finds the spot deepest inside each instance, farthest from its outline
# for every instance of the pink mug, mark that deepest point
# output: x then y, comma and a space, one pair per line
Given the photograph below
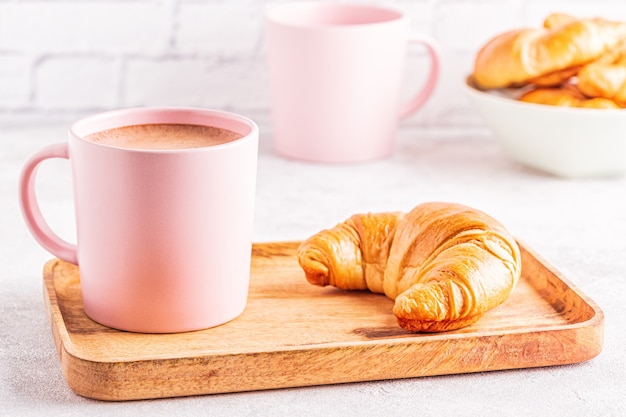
164, 236
336, 74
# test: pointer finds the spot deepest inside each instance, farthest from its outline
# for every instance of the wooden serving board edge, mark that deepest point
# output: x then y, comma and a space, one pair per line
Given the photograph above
315, 364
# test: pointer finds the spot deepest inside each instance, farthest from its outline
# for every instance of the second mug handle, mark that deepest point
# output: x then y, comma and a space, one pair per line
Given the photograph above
30, 207
419, 98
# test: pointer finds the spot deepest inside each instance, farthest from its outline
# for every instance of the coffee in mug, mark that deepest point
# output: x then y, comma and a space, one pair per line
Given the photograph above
164, 233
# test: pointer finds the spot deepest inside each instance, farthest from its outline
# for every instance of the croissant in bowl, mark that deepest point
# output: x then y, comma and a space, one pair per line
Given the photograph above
568, 62
444, 264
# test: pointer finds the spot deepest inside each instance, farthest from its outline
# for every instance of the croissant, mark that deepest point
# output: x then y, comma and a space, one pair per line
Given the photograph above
566, 96
515, 57
444, 264
555, 79
557, 19
604, 80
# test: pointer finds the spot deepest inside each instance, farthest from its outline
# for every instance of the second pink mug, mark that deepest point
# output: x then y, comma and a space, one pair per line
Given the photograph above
164, 236
336, 77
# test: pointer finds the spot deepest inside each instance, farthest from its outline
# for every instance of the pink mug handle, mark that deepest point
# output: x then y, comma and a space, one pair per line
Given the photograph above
30, 207
419, 98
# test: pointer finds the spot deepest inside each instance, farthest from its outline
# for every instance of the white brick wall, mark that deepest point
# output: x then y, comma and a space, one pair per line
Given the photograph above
60, 59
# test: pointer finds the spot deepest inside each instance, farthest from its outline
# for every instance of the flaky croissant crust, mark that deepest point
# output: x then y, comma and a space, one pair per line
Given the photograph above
444, 264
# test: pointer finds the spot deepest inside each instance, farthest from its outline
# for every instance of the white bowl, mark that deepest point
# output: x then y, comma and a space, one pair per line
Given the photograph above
563, 141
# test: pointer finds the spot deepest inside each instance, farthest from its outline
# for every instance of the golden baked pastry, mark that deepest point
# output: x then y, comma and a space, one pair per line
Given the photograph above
444, 264
604, 80
557, 19
554, 79
566, 96
515, 57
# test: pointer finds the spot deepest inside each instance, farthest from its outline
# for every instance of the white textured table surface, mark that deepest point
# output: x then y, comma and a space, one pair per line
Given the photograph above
576, 225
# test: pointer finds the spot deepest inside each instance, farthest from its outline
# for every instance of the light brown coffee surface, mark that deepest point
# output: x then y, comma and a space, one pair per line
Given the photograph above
164, 136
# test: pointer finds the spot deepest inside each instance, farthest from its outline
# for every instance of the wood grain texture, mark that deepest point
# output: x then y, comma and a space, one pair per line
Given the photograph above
296, 334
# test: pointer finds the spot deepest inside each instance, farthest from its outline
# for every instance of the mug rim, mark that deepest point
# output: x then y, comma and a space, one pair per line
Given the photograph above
163, 115
287, 14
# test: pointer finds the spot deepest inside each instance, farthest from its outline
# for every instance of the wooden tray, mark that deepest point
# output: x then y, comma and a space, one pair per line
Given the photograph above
295, 334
